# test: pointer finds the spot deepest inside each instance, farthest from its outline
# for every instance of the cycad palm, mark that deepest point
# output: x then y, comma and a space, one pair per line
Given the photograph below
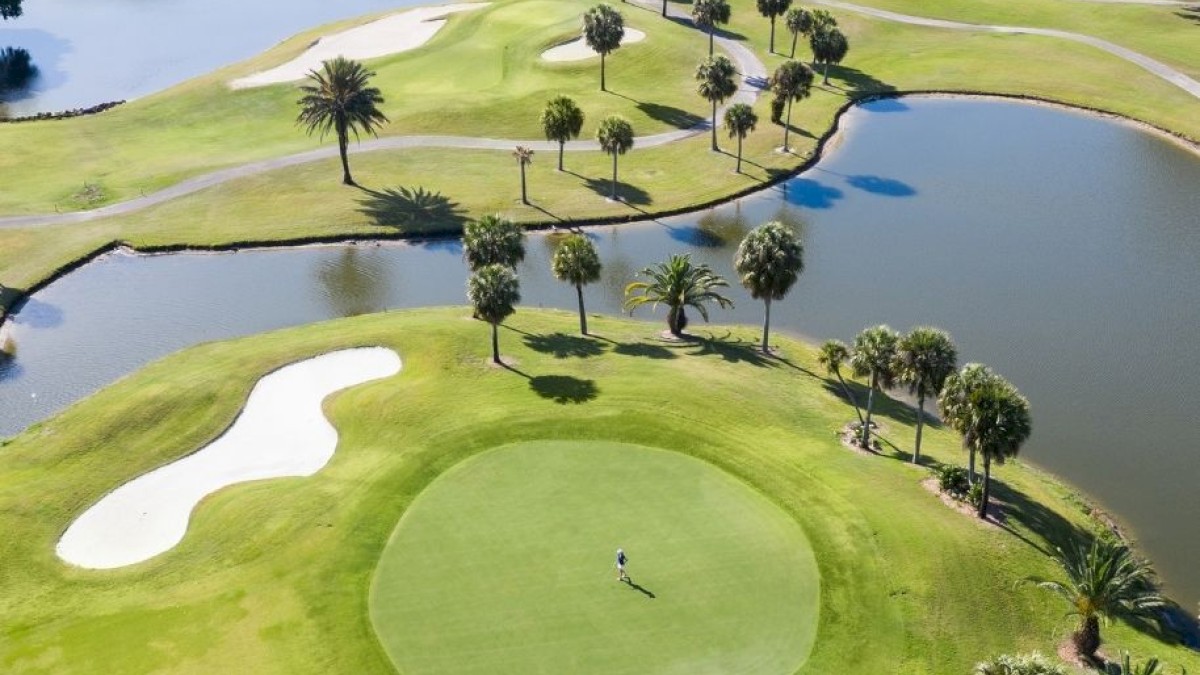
576, 262
677, 283
832, 355
338, 99
874, 357
493, 240
706, 14
715, 82
768, 262
926, 357
1104, 580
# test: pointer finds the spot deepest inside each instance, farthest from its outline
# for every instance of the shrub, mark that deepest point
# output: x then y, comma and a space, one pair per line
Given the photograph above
1021, 664
16, 68
975, 495
952, 480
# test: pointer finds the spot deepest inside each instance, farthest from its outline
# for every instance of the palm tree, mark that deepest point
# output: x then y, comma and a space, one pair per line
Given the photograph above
740, 120
999, 424
493, 240
615, 136
832, 355
768, 261
524, 157
1021, 664
677, 283
954, 403
706, 14
603, 30
799, 21
576, 262
926, 357
829, 45
1104, 581
664, 9
715, 82
772, 9
562, 120
337, 98
791, 82
874, 357
494, 291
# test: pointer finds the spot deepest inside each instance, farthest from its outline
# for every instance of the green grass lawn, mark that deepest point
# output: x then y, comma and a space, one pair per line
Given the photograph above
505, 565
276, 576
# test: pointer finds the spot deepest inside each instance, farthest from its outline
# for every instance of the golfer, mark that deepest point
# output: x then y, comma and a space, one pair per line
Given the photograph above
621, 560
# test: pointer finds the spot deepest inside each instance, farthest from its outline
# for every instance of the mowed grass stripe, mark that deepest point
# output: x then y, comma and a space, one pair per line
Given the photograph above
505, 564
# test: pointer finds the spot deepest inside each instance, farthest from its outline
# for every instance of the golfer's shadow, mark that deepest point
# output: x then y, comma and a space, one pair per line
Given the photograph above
644, 591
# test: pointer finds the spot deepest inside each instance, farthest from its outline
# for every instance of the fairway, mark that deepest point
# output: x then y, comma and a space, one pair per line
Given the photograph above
505, 565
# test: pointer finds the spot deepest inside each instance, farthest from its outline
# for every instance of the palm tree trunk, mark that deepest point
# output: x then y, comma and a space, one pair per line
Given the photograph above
772, 50
673, 322
524, 198
850, 396
602, 72
1087, 638
714, 126
987, 484
664, 8
794, 37
343, 143
582, 314
766, 324
739, 161
971, 467
866, 434
614, 180
561, 146
826, 80
495, 345
920, 423
712, 28
787, 125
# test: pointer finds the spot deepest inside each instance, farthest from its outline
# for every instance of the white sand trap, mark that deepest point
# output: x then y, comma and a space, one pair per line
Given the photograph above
577, 49
281, 432
389, 35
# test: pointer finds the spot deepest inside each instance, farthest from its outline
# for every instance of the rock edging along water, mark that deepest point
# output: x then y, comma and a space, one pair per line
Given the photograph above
64, 114
280, 432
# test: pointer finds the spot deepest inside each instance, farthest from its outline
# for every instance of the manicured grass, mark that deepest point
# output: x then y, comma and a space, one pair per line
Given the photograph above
505, 565
275, 576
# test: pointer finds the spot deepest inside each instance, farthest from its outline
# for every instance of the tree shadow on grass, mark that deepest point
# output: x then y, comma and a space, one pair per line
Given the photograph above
1018, 507
412, 210
563, 346
1191, 13
732, 351
629, 194
856, 82
644, 350
563, 389
676, 117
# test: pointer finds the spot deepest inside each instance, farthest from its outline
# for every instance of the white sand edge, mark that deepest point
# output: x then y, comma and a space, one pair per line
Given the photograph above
280, 432
577, 49
389, 35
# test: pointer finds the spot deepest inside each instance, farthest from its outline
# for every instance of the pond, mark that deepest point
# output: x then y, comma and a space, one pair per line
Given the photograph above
1061, 249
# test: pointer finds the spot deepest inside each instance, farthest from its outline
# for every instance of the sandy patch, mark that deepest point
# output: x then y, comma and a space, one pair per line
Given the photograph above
577, 49
389, 35
280, 432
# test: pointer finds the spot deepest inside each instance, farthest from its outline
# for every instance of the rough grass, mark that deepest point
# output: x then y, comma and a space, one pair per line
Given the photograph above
274, 576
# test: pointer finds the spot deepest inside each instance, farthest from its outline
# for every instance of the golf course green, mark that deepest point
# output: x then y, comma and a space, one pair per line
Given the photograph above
505, 565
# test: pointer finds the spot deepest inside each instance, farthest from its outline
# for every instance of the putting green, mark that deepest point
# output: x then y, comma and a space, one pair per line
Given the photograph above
505, 565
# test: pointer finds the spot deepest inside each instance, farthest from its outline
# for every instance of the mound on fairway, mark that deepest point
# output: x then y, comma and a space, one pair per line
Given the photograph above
505, 565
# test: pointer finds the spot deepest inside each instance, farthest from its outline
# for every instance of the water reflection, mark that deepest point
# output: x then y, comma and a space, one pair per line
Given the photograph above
355, 281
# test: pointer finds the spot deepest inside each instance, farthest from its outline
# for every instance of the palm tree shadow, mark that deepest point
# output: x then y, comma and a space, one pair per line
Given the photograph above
644, 350
641, 589
676, 117
564, 389
563, 346
855, 82
412, 210
732, 351
629, 194
1018, 507
1190, 13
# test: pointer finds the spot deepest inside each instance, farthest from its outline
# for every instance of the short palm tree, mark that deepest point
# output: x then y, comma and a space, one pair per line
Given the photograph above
954, 403
706, 14
772, 9
799, 21
1104, 581
615, 136
493, 240
874, 357
768, 262
1020, 664
576, 262
740, 120
677, 283
925, 358
715, 81
999, 425
524, 157
337, 98
603, 30
562, 120
829, 45
791, 82
494, 292
832, 355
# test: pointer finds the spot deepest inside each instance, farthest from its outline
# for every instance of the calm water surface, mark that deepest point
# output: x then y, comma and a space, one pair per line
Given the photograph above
90, 52
1061, 249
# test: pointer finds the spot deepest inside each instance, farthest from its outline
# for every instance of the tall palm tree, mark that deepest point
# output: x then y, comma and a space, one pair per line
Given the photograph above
493, 240
706, 14
954, 403
740, 120
562, 120
615, 136
576, 262
603, 30
799, 21
832, 355
494, 292
772, 9
768, 261
926, 357
338, 99
1104, 581
715, 82
999, 424
874, 357
791, 82
829, 45
677, 283
524, 157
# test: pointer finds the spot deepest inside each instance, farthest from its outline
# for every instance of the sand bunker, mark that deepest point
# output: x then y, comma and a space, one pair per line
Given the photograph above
389, 35
577, 49
281, 432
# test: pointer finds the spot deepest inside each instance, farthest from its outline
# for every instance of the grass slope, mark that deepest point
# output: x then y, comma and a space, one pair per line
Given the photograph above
274, 576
